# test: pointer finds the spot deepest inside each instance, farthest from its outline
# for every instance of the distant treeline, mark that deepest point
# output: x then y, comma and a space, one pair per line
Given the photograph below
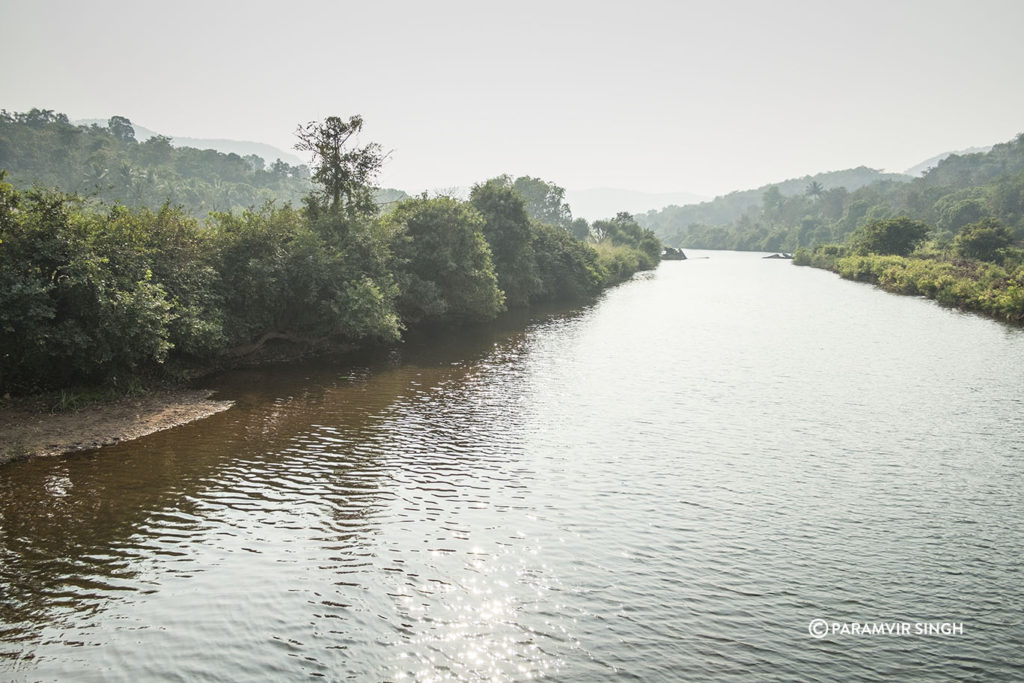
688, 224
40, 147
829, 208
94, 293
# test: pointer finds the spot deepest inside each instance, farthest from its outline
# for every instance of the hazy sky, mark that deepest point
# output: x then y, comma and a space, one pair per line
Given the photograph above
659, 96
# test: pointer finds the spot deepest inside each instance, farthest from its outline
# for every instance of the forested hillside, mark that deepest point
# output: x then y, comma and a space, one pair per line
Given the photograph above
242, 148
953, 235
695, 224
959, 190
43, 148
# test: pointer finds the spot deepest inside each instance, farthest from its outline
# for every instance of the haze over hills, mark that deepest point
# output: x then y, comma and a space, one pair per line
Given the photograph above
591, 204
923, 167
604, 202
242, 148
41, 147
663, 212
965, 189
598, 203
730, 207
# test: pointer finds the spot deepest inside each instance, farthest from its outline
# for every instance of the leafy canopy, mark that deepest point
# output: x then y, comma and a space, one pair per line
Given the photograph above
982, 240
896, 236
444, 265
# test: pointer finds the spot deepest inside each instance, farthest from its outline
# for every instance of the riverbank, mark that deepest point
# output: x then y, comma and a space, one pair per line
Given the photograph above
93, 295
966, 284
28, 432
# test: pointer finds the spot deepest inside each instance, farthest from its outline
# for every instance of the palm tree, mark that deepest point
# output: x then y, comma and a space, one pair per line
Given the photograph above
94, 177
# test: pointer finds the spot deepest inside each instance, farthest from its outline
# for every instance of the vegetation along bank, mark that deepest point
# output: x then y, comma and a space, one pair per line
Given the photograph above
979, 271
98, 288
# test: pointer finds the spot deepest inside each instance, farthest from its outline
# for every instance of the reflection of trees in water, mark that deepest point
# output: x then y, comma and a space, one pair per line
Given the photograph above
75, 530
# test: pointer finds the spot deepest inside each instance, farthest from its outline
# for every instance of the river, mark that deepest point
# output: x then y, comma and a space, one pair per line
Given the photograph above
669, 484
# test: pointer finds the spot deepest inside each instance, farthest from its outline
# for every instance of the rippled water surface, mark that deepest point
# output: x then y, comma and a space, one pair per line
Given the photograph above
669, 484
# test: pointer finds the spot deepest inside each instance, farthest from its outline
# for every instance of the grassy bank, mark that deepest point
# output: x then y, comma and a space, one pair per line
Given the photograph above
994, 289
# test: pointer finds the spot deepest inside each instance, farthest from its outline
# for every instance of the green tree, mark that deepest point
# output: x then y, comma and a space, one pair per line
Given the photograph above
279, 279
508, 232
443, 262
982, 240
345, 173
39, 118
772, 201
79, 302
580, 229
623, 230
173, 249
961, 213
569, 269
121, 128
50, 152
897, 236
544, 201
156, 150
255, 162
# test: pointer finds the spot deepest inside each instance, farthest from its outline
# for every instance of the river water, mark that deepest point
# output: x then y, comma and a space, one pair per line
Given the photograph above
670, 484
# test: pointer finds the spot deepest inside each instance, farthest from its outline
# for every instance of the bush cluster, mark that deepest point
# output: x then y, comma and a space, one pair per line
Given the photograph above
948, 277
93, 294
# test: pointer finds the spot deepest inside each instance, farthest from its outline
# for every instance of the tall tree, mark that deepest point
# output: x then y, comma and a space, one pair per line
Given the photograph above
507, 228
544, 201
344, 172
772, 200
121, 128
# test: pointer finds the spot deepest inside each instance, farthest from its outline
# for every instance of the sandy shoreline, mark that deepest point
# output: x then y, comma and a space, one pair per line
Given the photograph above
26, 433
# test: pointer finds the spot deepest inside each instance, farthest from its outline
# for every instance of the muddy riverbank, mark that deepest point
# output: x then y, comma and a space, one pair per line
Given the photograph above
27, 432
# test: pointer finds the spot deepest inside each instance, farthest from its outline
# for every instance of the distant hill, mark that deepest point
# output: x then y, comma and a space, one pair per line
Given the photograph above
41, 147
242, 148
923, 167
599, 203
955, 191
725, 209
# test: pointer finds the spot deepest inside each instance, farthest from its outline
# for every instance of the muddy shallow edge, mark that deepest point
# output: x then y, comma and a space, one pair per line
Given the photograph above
26, 433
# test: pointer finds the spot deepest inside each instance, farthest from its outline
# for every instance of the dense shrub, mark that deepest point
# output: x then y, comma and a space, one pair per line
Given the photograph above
568, 269
91, 294
897, 236
511, 238
983, 240
623, 230
443, 262
79, 300
278, 276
